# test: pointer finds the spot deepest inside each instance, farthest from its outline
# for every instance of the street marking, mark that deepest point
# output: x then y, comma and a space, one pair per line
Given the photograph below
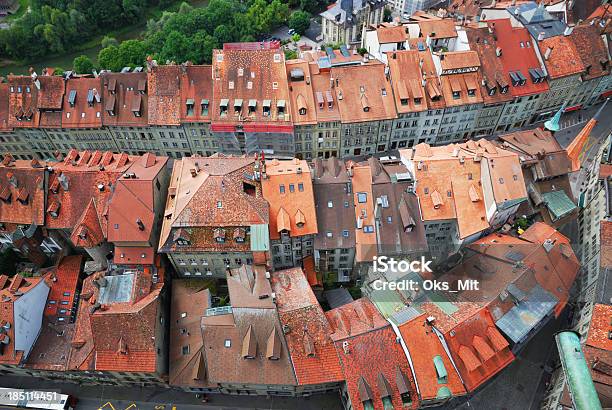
133, 405
108, 403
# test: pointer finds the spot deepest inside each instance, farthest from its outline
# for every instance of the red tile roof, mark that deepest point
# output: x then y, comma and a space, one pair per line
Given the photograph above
479, 349
370, 355
564, 59
4, 107
312, 351
132, 217
406, 79
86, 112
165, 95
124, 95
119, 336
391, 34
355, 318
600, 328
423, 346
197, 85
596, 62
64, 283
461, 82
20, 178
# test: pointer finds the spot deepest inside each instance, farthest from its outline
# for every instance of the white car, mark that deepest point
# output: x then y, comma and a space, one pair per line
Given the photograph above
291, 32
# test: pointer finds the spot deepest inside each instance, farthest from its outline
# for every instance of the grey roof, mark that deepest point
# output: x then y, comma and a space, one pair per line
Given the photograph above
337, 297
527, 314
537, 19
341, 10
118, 289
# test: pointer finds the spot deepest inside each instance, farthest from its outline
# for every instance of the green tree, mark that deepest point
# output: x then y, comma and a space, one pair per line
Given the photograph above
177, 48
108, 58
82, 65
109, 41
134, 9
387, 15
309, 5
299, 21
290, 54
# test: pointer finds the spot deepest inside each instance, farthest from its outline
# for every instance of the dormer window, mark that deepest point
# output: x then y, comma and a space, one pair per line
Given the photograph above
223, 105
471, 93
204, 106
280, 106
417, 101
404, 101
267, 107
237, 106
252, 106
190, 105
456, 95
219, 235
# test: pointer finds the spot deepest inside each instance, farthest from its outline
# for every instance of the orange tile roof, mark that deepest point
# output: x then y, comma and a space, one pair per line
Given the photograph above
64, 282
392, 34
443, 28
134, 361
14, 179
600, 327
312, 351
4, 107
300, 91
355, 318
407, 81
564, 59
363, 93
293, 208
164, 95
125, 99
423, 346
85, 112
132, 217
462, 82
596, 62
197, 85
324, 92
574, 149
448, 186
134, 255
479, 349
375, 367
193, 201
250, 74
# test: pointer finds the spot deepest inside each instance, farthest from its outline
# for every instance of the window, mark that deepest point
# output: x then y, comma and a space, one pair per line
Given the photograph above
183, 315
291, 188
219, 204
227, 343
329, 234
368, 229
346, 204
185, 350
281, 188
330, 204
362, 197
301, 187
345, 233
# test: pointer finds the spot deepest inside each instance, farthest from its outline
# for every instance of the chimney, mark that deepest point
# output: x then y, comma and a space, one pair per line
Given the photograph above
547, 53
194, 172
541, 36
64, 182
140, 224
568, 30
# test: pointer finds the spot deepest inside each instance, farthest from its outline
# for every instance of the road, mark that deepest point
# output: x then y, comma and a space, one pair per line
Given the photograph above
138, 398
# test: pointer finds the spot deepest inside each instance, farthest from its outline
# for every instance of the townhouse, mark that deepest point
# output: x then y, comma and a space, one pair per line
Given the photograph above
334, 244
79, 203
343, 21
546, 170
287, 186
485, 188
216, 216
252, 111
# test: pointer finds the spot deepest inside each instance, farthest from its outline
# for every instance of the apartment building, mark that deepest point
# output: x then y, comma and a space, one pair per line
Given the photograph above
252, 110
546, 171
287, 186
119, 335
24, 302
366, 106
334, 244
344, 21
216, 215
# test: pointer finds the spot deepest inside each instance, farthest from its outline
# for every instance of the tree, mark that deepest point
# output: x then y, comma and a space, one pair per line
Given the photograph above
309, 5
290, 54
387, 15
82, 65
299, 21
108, 58
109, 41
295, 37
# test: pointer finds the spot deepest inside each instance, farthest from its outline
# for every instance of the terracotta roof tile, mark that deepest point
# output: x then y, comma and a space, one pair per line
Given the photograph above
86, 111
20, 177
368, 356
196, 86
393, 34
407, 81
363, 93
443, 28
124, 103
312, 351
288, 189
564, 58
4, 107
165, 94
301, 93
